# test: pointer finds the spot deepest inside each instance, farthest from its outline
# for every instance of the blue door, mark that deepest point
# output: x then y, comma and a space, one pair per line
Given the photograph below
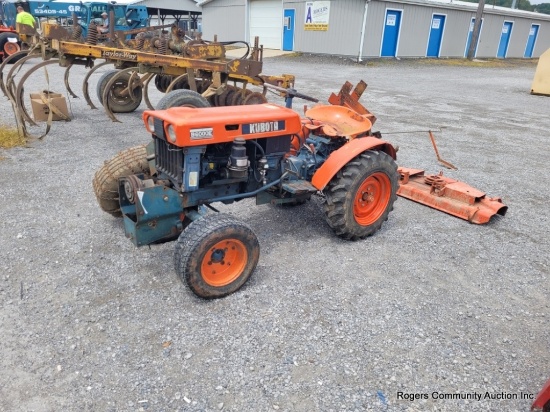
391, 33
504, 39
531, 40
436, 34
470, 34
288, 30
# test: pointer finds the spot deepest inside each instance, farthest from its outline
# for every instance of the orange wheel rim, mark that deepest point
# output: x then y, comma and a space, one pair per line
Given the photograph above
224, 262
11, 48
371, 199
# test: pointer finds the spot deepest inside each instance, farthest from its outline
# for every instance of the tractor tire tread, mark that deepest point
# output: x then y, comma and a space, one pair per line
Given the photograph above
337, 207
182, 97
191, 243
105, 181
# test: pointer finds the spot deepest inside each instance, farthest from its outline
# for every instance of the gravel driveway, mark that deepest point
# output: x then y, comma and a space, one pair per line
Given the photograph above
431, 305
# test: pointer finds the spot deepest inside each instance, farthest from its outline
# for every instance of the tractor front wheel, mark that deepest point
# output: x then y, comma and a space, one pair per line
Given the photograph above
215, 255
128, 162
361, 195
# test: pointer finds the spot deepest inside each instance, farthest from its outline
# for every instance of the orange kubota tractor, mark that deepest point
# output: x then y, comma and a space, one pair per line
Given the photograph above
201, 155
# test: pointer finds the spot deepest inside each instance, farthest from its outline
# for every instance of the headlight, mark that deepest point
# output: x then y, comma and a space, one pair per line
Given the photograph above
171, 133
151, 124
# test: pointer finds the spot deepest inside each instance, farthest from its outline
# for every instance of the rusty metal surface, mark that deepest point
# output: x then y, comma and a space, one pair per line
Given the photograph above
54, 32
205, 51
350, 98
337, 121
449, 195
285, 80
439, 159
201, 65
240, 67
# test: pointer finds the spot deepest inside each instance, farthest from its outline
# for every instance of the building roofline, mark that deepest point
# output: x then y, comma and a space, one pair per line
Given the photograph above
457, 5
466, 6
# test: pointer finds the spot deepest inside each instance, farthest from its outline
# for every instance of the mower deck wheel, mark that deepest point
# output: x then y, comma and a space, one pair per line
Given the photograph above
361, 195
215, 255
128, 162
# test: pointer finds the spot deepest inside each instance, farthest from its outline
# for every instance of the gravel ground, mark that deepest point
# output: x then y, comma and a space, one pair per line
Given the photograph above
430, 305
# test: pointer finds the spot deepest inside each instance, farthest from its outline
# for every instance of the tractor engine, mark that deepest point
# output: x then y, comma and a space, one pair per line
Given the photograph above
204, 155
312, 153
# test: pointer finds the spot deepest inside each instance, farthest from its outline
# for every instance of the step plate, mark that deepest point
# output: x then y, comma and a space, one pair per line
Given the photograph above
297, 187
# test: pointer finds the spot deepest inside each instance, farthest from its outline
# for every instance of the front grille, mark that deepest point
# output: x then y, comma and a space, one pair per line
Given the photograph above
159, 127
169, 160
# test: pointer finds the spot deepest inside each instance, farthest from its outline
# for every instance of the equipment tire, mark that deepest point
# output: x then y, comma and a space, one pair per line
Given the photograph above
182, 98
361, 195
216, 243
117, 103
4, 39
127, 162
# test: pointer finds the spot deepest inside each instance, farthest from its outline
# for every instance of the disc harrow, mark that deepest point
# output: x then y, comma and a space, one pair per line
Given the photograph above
170, 58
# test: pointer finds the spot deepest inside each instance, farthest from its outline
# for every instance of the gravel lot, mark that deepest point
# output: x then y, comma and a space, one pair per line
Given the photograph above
430, 305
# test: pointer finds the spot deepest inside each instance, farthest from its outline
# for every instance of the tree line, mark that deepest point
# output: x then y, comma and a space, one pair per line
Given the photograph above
520, 4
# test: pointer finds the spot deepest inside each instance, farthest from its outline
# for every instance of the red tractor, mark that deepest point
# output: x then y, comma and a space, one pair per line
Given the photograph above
9, 43
201, 155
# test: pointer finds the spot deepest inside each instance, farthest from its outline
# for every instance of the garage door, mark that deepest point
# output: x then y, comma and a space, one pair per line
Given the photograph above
266, 22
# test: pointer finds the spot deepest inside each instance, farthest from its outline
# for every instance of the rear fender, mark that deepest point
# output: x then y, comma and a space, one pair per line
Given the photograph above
342, 156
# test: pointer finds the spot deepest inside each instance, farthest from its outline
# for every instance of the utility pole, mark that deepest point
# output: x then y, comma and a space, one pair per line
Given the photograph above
477, 27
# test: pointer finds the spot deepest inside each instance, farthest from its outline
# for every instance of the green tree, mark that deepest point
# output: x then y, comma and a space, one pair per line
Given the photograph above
520, 4
543, 8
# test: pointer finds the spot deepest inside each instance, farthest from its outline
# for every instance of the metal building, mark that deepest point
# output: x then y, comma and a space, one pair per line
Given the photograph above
378, 28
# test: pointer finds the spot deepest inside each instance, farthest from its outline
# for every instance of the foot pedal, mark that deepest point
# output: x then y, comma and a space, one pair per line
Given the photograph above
298, 187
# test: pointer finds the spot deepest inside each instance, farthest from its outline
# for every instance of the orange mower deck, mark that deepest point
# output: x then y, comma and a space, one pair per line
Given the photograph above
449, 196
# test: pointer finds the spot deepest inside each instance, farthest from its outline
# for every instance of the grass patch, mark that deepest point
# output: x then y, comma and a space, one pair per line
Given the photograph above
9, 137
487, 63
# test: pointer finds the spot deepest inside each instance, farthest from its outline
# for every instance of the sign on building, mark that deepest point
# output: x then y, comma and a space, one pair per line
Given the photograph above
317, 15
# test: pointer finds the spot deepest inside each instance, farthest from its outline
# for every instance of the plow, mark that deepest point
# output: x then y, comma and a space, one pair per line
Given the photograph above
172, 60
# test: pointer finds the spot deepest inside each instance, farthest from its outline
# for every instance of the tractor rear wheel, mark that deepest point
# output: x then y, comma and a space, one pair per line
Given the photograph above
182, 98
216, 255
128, 162
119, 100
361, 195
